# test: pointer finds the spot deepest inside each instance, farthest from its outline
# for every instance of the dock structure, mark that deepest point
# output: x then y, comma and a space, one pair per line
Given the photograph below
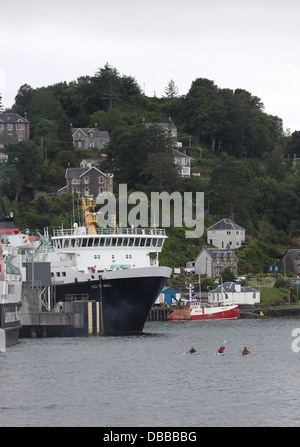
73, 319
79, 318
158, 313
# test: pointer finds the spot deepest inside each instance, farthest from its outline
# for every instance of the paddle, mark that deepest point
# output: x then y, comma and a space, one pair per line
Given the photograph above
248, 350
216, 353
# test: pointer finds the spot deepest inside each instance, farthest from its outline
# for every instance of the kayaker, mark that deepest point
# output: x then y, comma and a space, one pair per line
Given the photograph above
192, 350
245, 351
221, 349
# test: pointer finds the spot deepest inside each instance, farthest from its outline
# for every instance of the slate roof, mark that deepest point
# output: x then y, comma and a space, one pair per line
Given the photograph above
225, 224
102, 134
222, 253
169, 125
179, 154
230, 287
12, 118
79, 172
294, 252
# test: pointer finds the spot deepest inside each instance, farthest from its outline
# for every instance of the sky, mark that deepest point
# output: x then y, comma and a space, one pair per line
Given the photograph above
248, 44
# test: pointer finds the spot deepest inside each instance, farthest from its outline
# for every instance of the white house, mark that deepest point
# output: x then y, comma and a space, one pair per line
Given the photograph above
226, 233
182, 162
232, 293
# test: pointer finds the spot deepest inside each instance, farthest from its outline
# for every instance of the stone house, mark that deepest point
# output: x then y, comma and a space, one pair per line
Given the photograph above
212, 261
87, 182
168, 127
291, 261
226, 233
89, 138
13, 129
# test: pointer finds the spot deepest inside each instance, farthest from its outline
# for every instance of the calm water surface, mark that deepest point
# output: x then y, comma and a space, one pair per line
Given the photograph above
148, 381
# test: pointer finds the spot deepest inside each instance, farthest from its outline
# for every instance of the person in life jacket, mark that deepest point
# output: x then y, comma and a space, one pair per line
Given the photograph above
61, 306
245, 351
192, 350
221, 349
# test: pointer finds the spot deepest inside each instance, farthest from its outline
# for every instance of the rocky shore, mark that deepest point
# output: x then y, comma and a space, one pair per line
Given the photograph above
269, 312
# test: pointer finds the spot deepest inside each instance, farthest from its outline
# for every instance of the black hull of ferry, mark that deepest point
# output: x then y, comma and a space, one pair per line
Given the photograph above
124, 303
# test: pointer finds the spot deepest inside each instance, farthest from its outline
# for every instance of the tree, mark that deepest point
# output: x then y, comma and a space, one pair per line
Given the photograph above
108, 85
23, 167
171, 91
160, 173
203, 111
130, 148
23, 97
228, 186
227, 275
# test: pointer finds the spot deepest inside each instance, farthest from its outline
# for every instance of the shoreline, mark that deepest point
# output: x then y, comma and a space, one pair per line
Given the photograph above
268, 312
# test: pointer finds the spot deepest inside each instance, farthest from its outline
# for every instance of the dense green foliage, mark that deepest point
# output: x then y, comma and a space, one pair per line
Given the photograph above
243, 154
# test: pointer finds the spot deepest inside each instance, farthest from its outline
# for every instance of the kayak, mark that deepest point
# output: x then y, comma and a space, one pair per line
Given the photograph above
220, 353
245, 353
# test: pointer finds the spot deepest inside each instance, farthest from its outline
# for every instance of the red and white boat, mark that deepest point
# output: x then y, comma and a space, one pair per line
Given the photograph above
197, 310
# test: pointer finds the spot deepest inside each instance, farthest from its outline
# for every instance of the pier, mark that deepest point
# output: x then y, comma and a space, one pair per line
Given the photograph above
75, 319
158, 313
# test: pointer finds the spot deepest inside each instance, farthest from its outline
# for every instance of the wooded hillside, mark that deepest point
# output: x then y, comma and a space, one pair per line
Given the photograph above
246, 160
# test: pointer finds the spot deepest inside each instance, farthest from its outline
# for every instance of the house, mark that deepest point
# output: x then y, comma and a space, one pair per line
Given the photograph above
182, 162
291, 261
87, 182
168, 127
232, 293
226, 233
212, 261
168, 295
89, 138
13, 129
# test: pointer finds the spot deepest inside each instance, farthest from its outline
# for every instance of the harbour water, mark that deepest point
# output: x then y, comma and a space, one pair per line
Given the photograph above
150, 380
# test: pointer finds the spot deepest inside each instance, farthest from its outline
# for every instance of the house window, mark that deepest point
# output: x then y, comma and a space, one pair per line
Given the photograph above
86, 180
100, 179
11, 289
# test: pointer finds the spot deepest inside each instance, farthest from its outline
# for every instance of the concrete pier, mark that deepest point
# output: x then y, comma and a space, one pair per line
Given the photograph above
77, 318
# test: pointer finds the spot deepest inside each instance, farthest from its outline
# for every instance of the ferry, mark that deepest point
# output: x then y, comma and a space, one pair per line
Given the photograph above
118, 267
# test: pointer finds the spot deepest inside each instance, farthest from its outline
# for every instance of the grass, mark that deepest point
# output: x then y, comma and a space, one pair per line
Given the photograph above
272, 295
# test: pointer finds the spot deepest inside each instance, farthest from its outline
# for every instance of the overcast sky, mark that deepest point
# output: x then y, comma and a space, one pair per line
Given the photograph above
249, 44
